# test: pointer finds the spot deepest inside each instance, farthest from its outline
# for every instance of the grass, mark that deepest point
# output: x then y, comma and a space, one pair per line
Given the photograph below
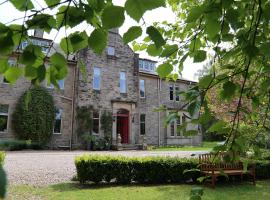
206, 146
71, 191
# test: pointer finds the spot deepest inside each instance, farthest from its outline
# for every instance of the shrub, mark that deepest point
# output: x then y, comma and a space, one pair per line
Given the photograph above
34, 116
16, 145
2, 157
124, 170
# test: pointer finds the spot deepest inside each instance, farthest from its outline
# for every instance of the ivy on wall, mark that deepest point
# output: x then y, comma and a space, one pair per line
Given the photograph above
34, 115
84, 120
106, 124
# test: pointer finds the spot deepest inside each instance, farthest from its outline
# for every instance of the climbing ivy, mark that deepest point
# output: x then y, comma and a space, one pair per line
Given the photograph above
106, 124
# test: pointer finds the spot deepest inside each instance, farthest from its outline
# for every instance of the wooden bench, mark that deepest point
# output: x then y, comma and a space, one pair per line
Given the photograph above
214, 165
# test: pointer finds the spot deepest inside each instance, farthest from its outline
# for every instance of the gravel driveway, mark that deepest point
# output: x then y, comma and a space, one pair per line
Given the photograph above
50, 167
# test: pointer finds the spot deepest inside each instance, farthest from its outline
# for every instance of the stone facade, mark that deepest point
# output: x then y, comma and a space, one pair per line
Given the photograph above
112, 83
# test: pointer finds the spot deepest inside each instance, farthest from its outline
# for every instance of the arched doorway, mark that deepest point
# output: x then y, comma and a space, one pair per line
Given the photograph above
123, 125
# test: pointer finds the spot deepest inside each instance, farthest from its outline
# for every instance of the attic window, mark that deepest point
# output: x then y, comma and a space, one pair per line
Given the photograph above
110, 51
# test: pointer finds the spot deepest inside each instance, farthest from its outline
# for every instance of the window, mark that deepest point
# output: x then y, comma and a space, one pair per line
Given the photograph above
142, 88
111, 51
58, 121
123, 84
142, 124
3, 117
172, 128
61, 84
178, 124
95, 122
171, 93
177, 97
96, 78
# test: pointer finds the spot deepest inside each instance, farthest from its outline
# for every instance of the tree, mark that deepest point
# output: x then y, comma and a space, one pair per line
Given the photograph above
34, 115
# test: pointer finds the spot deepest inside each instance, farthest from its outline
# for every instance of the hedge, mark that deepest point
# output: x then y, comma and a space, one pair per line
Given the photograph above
124, 170
2, 157
96, 168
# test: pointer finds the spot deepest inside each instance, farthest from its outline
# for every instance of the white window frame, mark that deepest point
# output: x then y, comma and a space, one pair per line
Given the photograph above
124, 81
97, 75
142, 88
177, 96
5, 114
143, 123
111, 51
175, 123
61, 116
94, 118
51, 86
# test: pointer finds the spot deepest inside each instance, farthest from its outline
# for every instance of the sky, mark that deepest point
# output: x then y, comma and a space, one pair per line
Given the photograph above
9, 13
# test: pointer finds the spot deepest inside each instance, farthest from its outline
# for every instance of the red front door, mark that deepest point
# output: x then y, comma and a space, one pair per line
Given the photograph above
123, 128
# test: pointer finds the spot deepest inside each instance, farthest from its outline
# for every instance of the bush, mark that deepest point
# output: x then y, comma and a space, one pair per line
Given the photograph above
34, 115
125, 170
16, 145
2, 157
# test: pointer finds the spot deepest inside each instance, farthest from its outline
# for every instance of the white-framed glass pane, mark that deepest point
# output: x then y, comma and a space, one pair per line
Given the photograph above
172, 128
142, 88
123, 84
3, 117
142, 124
177, 97
58, 121
171, 92
111, 51
96, 78
141, 64
178, 124
61, 84
96, 122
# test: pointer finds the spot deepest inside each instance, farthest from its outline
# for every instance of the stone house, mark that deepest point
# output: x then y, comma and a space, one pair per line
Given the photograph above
117, 82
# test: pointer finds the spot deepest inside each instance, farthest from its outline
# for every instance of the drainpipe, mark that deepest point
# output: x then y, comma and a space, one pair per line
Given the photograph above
73, 105
158, 89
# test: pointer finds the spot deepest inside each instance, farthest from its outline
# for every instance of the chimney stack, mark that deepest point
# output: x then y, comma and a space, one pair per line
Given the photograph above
38, 33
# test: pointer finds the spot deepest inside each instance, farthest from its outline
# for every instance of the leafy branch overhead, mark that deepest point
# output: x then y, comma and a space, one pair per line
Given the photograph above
101, 15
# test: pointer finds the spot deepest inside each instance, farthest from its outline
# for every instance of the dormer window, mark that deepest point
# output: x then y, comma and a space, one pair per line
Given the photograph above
110, 51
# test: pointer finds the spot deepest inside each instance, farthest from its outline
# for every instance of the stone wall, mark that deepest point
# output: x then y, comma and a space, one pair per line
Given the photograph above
9, 95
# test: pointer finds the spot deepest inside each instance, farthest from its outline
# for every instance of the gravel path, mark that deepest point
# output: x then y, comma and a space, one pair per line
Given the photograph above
51, 167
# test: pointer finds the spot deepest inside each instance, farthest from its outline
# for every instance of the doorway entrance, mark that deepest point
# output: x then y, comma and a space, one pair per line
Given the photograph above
123, 125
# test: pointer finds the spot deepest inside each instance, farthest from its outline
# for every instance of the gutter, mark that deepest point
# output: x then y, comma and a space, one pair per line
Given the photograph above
158, 84
73, 105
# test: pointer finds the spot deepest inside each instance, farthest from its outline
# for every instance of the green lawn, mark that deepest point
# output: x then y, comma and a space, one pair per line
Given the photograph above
206, 146
69, 191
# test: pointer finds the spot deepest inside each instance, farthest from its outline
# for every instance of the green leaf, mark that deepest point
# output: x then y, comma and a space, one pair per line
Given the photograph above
132, 33
264, 49
265, 85
3, 65
22, 5
113, 17
42, 21
3, 183
58, 60
65, 45
205, 81
98, 40
19, 33
12, 74
6, 42
136, 8
30, 72
229, 89
219, 127
78, 40
169, 50
153, 51
155, 36
30, 54
199, 56
52, 3
212, 27
195, 13
164, 70
41, 73
194, 107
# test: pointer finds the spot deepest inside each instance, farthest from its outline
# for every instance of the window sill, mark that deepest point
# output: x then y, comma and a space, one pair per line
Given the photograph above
57, 133
3, 132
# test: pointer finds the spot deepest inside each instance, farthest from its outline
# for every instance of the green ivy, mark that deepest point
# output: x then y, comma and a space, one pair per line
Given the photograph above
33, 117
84, 120
106, 124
